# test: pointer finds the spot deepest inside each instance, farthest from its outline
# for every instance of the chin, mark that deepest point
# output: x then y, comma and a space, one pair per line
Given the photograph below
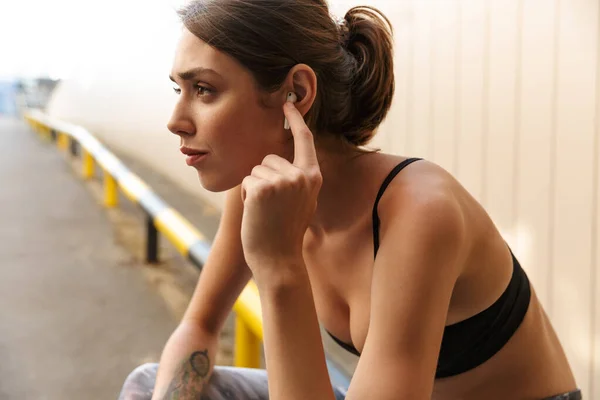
216, 183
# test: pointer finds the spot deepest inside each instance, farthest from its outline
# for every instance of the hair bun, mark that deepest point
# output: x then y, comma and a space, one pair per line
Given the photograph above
344, 32
369, 41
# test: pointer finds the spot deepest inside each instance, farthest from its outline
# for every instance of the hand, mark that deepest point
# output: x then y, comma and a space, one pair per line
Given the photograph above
280, 198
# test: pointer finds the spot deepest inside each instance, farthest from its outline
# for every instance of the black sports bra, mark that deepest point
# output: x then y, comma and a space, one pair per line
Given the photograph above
471, 342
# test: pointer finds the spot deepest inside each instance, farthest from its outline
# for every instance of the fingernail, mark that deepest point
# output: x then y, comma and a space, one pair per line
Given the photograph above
286, 124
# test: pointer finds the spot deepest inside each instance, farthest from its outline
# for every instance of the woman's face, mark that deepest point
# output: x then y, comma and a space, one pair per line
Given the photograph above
219, 114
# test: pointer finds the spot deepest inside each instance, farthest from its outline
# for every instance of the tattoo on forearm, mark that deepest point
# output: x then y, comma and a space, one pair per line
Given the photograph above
189, 378
200, 362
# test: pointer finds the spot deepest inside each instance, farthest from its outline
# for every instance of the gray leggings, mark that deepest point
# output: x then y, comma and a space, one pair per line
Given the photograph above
574, 395
226, 383
230, 383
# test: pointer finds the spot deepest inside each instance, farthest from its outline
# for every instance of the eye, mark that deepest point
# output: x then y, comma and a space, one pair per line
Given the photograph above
177, 90
203, 90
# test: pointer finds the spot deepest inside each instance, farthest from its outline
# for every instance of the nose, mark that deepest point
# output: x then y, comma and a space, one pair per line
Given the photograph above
181, 123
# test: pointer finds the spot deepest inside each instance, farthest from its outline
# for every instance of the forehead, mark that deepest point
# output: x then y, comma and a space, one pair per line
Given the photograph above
192, 52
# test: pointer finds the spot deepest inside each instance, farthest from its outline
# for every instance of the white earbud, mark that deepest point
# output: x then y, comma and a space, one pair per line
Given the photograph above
292, 98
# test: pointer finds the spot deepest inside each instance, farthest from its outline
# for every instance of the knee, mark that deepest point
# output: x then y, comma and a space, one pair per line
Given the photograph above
233, 383
139, 384
143, 372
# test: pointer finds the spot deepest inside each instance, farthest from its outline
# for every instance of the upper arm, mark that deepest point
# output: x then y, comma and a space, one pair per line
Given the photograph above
417, 265
225, 273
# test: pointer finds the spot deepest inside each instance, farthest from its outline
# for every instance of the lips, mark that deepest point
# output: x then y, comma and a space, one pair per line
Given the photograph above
188, 151
194, 156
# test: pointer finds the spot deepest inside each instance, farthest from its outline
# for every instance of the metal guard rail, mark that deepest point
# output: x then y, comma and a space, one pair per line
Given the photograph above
164, 219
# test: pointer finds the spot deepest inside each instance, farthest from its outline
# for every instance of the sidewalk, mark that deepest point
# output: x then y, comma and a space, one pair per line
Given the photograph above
76, 315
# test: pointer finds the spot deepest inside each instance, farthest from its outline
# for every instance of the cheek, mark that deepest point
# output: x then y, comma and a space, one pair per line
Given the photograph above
244, 130
239, 134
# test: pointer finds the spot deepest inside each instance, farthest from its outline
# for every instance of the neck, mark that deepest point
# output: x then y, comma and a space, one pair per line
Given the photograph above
341, 165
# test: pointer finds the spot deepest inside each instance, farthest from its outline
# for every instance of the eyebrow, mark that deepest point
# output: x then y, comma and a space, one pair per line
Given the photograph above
193, 73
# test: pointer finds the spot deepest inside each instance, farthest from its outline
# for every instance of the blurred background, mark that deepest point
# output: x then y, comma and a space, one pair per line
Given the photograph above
502, 93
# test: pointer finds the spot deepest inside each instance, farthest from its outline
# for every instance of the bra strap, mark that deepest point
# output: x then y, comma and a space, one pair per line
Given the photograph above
384, 186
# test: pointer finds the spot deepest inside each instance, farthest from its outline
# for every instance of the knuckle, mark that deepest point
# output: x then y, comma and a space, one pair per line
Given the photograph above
269, 158
317, 180
246, 183
315, 176
256, 169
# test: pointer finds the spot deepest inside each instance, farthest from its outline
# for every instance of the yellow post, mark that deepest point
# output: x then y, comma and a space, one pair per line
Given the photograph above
88, 165
111, 195
247, 346
46, 133
62, 141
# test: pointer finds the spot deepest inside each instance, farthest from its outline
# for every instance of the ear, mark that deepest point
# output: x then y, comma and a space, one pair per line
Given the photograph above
302, 80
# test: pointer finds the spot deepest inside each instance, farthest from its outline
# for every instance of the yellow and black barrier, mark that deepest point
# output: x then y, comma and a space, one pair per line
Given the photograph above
159, 218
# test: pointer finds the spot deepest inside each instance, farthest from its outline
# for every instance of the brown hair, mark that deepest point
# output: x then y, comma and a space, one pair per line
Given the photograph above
353, 59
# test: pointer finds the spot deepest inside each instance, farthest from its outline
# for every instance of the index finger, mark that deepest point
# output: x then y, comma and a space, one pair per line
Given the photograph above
305, 154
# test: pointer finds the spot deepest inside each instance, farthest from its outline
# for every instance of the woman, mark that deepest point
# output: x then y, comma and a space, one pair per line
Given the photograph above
390, 254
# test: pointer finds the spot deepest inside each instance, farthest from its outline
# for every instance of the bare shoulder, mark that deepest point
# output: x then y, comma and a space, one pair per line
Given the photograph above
426, 208
425, 197
421, 179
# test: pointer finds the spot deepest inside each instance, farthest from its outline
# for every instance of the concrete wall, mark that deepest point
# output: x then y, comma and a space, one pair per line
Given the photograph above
502, 93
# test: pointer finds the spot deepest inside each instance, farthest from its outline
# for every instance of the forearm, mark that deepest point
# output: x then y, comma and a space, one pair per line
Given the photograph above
293, 348
186, 363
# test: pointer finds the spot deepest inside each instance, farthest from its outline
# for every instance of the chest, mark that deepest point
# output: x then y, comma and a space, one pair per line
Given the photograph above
340, 270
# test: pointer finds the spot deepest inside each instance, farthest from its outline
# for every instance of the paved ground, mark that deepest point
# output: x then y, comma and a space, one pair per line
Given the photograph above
76, 315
